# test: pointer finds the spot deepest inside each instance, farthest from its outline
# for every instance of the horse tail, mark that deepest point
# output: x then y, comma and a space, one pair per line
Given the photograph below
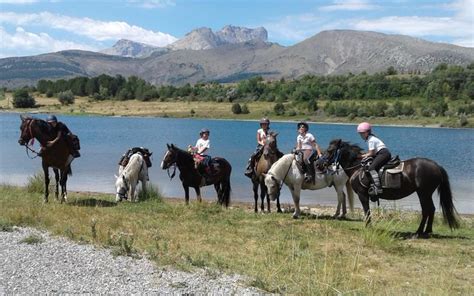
446, 200
350, 195
69, 170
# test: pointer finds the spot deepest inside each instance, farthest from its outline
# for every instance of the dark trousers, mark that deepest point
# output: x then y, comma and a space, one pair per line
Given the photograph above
381, 158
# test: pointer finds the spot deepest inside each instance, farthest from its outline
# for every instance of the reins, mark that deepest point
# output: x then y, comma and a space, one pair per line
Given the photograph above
286, 175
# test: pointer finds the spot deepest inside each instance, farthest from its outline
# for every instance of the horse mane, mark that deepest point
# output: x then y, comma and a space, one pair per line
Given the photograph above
281, 166
185, 154
349, 152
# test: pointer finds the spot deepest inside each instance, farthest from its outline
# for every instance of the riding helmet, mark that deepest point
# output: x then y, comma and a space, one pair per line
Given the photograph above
204, 130
303, 124
265, 120
364, 127
51, 118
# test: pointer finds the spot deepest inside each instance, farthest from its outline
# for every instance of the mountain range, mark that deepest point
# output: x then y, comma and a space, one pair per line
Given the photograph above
236, 53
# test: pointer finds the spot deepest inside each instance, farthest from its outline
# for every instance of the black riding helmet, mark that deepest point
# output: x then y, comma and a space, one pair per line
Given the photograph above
203, 131
51, 118
303, 124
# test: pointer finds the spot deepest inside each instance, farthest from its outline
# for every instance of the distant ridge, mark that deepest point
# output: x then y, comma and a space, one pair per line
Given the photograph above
241, 56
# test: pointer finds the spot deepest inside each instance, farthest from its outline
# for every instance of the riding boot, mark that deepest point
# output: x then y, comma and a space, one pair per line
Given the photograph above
377, 188
250, 165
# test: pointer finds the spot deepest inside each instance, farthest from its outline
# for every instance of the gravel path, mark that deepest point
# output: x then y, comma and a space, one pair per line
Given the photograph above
59, 266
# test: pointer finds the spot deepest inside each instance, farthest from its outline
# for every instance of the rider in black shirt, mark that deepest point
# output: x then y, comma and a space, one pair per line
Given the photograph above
60, 130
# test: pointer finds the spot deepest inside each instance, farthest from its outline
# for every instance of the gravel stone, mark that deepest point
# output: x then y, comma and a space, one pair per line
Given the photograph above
59, 266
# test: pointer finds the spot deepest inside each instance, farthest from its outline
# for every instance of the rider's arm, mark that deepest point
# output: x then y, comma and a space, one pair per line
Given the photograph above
370, 153
52, 142
316, 146
260, 141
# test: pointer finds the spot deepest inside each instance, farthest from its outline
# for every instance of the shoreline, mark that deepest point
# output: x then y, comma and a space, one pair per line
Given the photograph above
88, 114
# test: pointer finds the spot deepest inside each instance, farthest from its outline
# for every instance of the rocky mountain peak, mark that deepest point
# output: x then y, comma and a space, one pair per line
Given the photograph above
129, 48
205, 38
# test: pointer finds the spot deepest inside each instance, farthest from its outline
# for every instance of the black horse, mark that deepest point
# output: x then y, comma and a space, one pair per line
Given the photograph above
190, 177
419, 175
58, 156
269, 156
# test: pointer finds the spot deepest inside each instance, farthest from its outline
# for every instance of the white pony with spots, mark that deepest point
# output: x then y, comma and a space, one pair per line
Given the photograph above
286, 170
127, 180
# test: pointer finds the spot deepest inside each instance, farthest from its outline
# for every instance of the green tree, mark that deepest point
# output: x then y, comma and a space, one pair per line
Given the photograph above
22, 99
279, 109
236, 108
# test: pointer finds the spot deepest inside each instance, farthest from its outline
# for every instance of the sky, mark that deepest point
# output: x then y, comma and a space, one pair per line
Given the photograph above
32, 27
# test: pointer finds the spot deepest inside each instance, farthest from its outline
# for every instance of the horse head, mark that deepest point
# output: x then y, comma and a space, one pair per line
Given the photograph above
170, 157
273, 186
25, 130
122, 187
270, 147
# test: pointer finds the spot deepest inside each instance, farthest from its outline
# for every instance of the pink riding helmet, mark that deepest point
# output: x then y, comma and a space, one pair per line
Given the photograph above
364, 127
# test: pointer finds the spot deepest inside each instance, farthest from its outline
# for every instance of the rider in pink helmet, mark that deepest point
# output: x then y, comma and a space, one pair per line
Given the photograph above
378, 151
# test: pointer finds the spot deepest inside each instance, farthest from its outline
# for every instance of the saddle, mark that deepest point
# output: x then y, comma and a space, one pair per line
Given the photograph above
391, 173
144, 152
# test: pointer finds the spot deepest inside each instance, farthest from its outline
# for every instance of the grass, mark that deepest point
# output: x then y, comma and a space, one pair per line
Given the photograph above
279, 254
212, 109
32, 239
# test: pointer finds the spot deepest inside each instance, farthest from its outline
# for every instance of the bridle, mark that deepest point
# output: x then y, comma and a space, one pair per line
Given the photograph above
172, 164
31, 139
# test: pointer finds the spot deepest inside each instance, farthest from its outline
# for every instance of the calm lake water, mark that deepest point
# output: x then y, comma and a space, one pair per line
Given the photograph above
105, 139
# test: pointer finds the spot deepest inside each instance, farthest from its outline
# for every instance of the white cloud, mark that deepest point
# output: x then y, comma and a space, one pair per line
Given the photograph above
349, 5
31, 43
94, 29
152, 3
294, 27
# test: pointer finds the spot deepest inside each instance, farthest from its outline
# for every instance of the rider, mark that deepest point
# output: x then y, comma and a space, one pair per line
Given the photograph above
60, 130
262, 133
201, 149
306, 143
378, 151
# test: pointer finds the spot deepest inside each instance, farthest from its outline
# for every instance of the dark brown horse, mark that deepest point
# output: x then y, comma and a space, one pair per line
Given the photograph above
269, 156
419, 175
57, 157
190, 177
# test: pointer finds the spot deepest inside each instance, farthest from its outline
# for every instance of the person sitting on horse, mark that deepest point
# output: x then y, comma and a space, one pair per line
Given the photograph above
60, 130
262, 133
379, 151
306, 143
201, 150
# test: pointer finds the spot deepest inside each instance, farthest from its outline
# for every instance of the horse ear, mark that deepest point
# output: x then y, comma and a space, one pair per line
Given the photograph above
275, 134
168, 145
22, 117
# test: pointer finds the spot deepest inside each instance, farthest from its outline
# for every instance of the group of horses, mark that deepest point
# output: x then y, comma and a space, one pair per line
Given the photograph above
340, 166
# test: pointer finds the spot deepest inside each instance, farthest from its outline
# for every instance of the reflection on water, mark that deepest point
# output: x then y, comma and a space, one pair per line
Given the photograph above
105, 139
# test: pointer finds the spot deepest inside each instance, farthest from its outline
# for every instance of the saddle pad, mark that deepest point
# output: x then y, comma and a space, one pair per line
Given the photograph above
396, 170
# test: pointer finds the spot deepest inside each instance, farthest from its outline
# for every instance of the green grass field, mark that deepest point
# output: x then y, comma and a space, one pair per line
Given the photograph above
303, 257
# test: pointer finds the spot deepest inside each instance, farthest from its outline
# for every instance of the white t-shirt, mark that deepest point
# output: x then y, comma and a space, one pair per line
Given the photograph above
261, 133
305, 142
201, 143
375, 143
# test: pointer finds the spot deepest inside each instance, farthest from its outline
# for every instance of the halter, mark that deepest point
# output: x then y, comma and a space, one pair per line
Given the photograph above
173, 164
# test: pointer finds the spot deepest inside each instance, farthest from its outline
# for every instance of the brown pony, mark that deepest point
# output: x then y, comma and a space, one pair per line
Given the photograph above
57, 157
190, 176
419, 175
269, 156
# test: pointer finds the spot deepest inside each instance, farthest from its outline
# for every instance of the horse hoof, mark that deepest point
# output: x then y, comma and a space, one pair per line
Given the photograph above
295, 216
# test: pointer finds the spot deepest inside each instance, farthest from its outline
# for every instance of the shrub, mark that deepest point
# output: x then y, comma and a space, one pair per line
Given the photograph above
35, 183
22, 99
245, 109
236, 108
49, 93
66, 97
279, 109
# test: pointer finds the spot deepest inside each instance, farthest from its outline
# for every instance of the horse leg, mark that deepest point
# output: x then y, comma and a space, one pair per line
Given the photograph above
263, 189
56, 176
295, 193
198, 193
46, 182
255, 196
341, 204
63, 182
219, 192
364, 200
186, 194
427, 214
278, 204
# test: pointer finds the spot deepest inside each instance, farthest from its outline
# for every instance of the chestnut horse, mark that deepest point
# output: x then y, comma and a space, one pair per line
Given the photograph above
190, 177
268, 157
420, 175
57, 157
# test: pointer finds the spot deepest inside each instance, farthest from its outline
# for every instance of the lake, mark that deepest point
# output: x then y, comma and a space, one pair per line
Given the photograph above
105, 139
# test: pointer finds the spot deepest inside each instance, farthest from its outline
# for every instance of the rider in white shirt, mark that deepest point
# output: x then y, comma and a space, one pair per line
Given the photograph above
262, 133
306, 143
378, 150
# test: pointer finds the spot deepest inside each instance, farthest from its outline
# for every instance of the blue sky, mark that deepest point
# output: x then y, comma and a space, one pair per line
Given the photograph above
30, 27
